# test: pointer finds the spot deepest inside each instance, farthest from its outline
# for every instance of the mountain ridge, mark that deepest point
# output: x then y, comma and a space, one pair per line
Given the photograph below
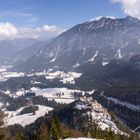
103, 40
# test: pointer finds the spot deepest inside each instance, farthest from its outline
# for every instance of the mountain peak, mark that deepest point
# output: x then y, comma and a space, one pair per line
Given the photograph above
109, 18
130, 18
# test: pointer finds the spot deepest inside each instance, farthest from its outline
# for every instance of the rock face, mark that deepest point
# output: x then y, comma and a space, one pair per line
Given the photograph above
103, 40
84, 112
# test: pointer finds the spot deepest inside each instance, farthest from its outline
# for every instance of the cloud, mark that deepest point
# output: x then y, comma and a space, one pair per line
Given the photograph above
9, 31
51, 29
130, 7
43, 32
19, 13
15, 13
99, 17
33, 19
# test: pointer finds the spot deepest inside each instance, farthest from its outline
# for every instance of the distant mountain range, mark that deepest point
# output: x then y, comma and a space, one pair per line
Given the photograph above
9, 48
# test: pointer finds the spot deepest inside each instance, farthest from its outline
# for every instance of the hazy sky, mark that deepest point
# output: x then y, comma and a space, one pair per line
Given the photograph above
51, 17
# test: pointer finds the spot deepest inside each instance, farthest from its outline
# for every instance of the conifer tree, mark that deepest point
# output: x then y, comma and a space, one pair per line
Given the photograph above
55, 129
18, 136
43, 132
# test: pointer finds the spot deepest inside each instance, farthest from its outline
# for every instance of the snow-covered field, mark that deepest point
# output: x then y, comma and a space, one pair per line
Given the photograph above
5, 75
64, 77
61, 95
14, 117
80, 139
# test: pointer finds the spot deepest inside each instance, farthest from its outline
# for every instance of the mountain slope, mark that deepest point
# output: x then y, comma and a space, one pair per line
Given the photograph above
8, 48
117, 87
26, 53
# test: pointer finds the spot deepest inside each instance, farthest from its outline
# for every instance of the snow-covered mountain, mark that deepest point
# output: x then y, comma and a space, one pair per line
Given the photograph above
25, 53
9, 48
104, 39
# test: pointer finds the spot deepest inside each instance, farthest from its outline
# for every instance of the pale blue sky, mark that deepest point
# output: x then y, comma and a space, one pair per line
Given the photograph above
62, 13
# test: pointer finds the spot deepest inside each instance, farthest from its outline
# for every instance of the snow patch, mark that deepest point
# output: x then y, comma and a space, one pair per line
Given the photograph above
90, 92
53, 60
105, 63
25, 119
80, 139
76, 65
126, 104
1, 105
118, 54
84, 51
93, 58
